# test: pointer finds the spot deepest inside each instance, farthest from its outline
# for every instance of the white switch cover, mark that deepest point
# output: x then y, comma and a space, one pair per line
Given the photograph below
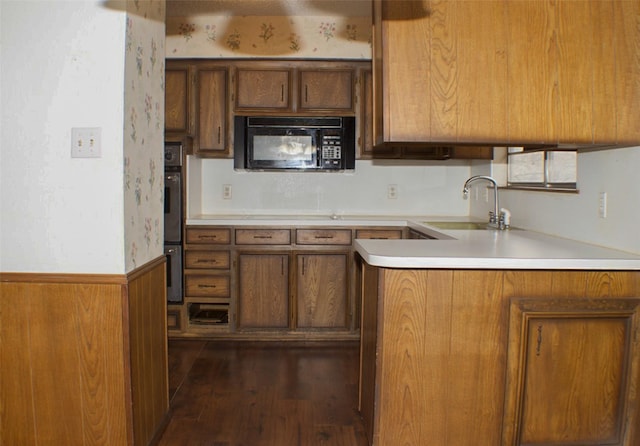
86, 142
602, 205
226, 191
392, 191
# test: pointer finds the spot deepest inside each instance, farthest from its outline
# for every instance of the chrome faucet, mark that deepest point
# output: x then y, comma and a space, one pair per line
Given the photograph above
498, 217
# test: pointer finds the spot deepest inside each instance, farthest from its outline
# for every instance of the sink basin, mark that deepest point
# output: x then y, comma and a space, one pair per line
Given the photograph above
453, 225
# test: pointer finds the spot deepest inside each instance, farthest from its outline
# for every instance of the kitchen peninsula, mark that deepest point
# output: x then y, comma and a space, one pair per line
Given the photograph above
499, 337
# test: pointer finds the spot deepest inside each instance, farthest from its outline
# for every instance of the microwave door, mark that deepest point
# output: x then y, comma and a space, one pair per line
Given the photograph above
270, 148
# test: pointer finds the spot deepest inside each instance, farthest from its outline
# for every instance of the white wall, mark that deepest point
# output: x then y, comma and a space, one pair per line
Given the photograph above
424, 188
63, 66
575, 216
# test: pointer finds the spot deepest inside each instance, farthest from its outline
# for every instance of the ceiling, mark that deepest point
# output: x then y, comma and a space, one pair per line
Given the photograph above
266, 8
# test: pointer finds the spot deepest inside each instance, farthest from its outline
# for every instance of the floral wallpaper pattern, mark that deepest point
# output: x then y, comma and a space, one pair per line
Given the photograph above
281, 37
143, 132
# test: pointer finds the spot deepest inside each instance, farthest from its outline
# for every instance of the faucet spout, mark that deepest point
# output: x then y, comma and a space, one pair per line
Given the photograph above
494, 217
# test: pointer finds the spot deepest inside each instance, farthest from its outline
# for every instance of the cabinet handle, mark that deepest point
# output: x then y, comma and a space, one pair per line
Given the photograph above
206, 286
219, 134
281, 92
306, 93
213, 262
303, 265
262, 236
321, 237
207, 237
282, 266
539, 343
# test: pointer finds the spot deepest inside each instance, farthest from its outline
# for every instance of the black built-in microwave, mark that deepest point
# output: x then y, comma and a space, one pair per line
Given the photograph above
294, 143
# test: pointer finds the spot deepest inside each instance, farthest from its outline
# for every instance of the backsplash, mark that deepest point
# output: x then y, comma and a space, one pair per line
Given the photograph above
422, 188
230, 36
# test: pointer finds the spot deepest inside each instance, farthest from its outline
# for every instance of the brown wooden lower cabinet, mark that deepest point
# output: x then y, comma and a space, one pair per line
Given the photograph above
500, 357
278, 282
263, 290
570, 371
322, 291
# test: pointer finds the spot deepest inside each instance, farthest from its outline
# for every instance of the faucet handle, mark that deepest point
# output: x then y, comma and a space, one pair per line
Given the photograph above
492, 217
505, 217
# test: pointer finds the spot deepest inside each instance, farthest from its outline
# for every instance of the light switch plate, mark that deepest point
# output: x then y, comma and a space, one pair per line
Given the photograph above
602, 205
86, 142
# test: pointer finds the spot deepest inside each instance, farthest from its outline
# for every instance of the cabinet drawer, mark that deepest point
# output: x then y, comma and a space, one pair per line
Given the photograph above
385, 234
206, 285
218, 236
263, 236
323, 236
201, 259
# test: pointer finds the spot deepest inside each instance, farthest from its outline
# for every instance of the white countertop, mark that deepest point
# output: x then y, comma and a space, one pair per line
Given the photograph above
488, 249
301, 220
468, 249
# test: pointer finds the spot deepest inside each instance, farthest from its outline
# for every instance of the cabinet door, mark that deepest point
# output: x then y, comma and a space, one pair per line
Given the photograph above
572, 371
440, 70
366, 142
177, 113
263, 290
507, 72
212, 112
322, 290
263, 89
326, 90
627, 68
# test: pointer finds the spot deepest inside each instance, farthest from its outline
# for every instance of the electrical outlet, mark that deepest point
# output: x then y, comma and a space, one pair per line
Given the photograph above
602, 205
226, 191
392, 191
86, 142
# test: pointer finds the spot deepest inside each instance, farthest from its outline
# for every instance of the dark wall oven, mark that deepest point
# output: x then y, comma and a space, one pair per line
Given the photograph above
173, 220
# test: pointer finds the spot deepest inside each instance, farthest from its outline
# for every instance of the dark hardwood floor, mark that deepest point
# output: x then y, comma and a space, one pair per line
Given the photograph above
263, 394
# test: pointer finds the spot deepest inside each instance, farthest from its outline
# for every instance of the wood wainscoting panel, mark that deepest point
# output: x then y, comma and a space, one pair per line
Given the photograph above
148, 350
62, 364
83, 357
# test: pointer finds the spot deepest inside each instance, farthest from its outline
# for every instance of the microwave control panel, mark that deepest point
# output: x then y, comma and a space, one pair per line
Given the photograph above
331, 150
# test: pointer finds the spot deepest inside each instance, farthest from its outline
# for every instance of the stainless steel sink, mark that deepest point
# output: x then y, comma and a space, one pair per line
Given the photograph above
453, 225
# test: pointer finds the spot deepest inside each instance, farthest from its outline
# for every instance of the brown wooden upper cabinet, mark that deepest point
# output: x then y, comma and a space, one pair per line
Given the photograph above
196, 105
326, 90
211, 139
282, 87
367, 149
501, 72
178, 116
263, 89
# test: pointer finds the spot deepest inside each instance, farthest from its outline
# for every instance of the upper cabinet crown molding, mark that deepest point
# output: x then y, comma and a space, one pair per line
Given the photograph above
500, 72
